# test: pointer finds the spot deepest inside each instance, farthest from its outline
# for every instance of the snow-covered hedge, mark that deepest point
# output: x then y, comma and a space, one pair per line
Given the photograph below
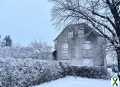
27, 72
84, 71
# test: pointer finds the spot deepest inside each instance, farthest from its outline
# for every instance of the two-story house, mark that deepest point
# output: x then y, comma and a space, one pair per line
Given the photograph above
81, 43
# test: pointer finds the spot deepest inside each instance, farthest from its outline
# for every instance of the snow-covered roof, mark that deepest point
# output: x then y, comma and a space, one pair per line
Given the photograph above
81, 25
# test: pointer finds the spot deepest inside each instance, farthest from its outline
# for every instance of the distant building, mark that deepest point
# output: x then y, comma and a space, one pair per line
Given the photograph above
79, 42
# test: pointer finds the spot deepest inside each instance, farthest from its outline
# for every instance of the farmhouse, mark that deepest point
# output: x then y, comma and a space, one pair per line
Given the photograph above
81, 43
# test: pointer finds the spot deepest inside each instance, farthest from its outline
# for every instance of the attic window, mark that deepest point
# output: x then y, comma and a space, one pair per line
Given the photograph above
70, 34
80, 33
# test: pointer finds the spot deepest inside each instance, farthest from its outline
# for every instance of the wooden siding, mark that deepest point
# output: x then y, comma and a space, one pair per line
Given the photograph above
76, 45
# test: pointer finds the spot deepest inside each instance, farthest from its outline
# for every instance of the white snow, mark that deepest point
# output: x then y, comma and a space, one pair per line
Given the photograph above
76, 82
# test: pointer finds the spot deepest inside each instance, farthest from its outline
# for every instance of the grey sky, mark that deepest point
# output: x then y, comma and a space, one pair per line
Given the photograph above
26, 20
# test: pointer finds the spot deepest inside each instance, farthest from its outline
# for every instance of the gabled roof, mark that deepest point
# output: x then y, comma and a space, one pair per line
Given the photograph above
88, 28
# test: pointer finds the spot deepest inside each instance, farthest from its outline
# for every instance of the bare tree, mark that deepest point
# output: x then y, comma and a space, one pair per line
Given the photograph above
101, 15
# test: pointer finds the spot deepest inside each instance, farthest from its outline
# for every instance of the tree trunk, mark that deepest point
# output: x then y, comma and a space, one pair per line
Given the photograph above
118, 59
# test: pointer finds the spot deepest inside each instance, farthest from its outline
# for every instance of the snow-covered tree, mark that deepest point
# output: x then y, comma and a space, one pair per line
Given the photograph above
41, 50
36, 50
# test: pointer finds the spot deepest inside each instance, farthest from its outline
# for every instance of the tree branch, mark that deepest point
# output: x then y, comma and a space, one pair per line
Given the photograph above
90, 18
104, 17
117, 3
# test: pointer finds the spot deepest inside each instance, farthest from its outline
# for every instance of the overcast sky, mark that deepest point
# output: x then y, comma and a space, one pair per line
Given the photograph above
27, 20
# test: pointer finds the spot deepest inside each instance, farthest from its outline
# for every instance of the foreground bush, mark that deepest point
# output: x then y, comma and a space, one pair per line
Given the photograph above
28, 72
25, 73
84, 71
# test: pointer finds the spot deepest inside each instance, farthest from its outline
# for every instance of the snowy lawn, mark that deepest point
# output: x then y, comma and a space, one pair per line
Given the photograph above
70, 81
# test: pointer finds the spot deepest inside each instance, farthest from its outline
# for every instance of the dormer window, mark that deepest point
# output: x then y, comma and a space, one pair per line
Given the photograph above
70, 34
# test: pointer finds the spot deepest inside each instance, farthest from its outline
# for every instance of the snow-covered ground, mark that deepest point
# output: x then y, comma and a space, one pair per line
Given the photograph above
76, 82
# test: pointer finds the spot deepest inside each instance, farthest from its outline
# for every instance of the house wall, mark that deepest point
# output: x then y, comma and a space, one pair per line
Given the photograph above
63, 38
76, 47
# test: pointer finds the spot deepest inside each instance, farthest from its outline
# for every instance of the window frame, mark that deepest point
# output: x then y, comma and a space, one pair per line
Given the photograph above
65, 50
80, 33
87, 52
87, 45
70, 34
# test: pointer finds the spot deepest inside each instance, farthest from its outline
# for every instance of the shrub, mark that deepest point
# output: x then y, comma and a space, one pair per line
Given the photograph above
27, 72
84, 71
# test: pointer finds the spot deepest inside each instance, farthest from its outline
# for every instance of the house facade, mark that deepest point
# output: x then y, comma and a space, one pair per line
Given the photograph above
81, 43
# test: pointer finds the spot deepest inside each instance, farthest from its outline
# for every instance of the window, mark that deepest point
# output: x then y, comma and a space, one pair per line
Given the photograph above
70, 34
65, 50
87, 45
87, 49
87, 53
80, 33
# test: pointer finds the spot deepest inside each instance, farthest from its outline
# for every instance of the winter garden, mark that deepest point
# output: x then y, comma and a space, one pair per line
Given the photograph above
90, 34
33, 65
